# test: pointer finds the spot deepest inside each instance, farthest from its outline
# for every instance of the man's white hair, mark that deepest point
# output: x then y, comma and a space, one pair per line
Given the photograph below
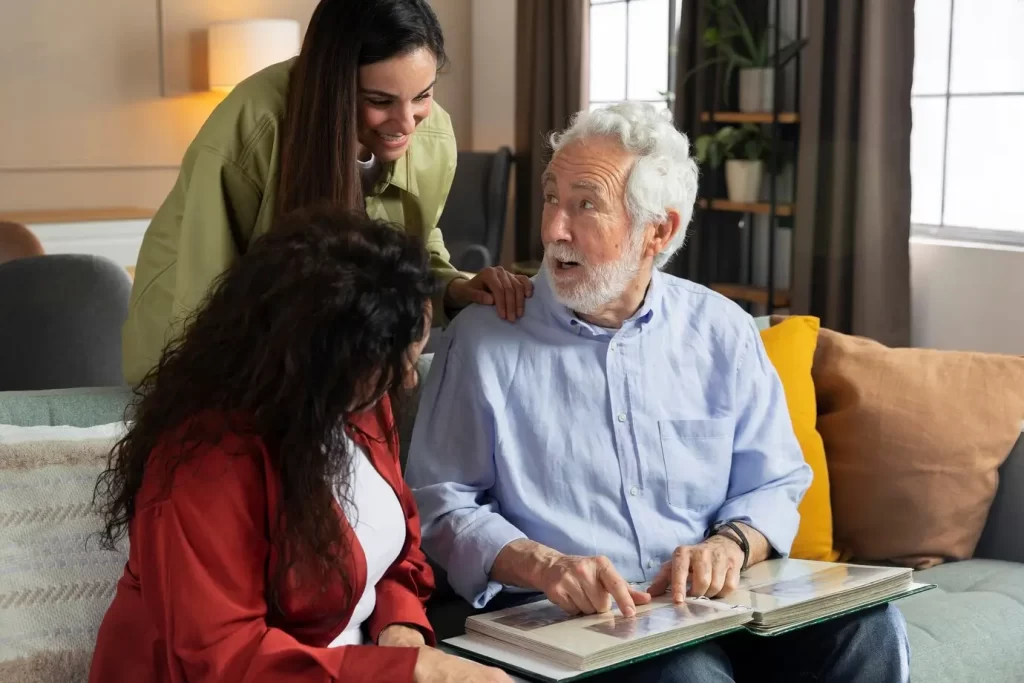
664, 175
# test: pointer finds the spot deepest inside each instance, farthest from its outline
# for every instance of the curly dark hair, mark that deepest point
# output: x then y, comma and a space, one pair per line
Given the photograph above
314, 323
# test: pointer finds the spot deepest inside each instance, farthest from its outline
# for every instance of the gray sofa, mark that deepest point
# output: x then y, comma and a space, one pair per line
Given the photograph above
969, 629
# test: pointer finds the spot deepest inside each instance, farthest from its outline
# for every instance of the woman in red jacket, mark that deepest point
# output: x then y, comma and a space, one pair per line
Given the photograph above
271, 535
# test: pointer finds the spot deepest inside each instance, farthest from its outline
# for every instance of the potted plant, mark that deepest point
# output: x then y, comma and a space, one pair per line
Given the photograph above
743, 150
752, 55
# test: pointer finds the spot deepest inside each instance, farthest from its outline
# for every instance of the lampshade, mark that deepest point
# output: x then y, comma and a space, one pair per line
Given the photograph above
238, 49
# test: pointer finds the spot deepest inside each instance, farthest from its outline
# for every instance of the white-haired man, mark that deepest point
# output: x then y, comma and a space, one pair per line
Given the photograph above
628, 429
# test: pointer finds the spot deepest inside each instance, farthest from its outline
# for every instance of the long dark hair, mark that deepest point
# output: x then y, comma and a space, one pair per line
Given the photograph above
313, 323
318, 156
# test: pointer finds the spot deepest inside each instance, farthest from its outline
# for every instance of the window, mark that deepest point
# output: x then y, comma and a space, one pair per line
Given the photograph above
632, 50
967, 150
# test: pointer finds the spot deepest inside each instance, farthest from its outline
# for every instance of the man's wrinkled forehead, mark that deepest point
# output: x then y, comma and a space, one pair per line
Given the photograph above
599, 165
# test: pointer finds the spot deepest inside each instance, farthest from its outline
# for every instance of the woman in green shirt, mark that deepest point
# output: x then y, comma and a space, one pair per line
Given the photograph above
350, 122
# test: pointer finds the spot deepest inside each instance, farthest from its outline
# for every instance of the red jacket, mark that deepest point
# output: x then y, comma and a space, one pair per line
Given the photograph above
191, 605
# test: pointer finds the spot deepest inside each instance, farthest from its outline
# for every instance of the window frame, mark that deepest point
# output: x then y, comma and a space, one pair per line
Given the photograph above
673, 14
943, 230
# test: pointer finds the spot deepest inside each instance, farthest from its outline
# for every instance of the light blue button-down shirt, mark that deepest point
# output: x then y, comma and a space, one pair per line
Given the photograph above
625, 443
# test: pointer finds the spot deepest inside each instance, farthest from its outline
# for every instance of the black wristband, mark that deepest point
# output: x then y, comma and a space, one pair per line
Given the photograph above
741, 539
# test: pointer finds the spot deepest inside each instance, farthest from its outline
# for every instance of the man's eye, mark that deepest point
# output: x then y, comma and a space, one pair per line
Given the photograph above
586, 204
550, 199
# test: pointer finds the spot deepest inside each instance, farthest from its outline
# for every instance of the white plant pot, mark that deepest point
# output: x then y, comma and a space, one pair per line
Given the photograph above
757, 90
743, 180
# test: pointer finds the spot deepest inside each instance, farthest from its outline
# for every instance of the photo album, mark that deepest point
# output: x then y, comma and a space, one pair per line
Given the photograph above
541, 642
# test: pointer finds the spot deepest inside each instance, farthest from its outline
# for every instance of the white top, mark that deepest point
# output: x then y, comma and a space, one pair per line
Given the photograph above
369, 171
379, 523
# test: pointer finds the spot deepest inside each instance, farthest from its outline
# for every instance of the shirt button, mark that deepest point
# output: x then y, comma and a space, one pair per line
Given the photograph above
622, 417
612, 346
633, 491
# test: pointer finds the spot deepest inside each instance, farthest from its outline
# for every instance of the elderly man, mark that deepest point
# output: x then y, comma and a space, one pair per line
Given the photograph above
628, 429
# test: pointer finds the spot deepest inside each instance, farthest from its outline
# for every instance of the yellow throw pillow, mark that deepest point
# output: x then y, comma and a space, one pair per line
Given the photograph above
790, 345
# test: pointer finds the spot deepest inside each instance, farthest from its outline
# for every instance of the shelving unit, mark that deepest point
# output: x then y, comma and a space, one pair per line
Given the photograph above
757, 295
748, 117
769, 296
760, 208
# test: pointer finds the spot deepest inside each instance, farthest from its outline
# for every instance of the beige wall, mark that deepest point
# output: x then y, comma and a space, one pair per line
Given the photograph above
493, 29
966, 296
84, 123
454, 85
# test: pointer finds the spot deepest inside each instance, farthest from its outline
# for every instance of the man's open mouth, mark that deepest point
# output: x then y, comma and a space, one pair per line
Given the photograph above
567, 265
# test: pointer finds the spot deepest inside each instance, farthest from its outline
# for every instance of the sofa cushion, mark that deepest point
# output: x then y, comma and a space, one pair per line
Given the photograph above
790, 347
971, 627
57, 582
914, 440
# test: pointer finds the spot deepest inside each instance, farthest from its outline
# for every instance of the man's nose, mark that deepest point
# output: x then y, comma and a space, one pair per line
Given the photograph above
555, 227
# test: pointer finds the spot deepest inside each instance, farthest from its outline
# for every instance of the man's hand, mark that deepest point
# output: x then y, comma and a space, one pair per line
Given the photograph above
588, 585
712, 567
400, 635
576, 584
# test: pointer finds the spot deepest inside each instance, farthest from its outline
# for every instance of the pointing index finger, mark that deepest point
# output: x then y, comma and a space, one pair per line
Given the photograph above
617, 586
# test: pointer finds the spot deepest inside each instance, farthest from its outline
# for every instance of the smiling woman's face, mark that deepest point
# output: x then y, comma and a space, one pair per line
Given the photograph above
394, 96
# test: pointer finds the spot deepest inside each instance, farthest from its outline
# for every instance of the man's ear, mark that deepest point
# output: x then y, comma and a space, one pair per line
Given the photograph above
664, 233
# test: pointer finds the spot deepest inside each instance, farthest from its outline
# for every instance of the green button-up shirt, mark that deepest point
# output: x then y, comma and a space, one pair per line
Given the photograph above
224, 198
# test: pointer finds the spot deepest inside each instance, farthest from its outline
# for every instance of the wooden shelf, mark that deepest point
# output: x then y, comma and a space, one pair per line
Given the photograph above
749, 117
740, 207
757, 295
114, 213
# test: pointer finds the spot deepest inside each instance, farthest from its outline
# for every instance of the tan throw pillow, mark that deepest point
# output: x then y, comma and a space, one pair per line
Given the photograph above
913, 440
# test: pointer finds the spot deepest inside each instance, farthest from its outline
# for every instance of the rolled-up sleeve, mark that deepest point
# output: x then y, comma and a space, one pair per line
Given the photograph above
769, 476
451, 471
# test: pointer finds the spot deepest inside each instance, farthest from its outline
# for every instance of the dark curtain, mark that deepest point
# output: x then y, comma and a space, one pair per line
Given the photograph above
550, 87
851, 252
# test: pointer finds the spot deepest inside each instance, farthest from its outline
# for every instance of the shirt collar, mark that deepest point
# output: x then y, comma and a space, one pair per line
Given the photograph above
568, 320
399, 173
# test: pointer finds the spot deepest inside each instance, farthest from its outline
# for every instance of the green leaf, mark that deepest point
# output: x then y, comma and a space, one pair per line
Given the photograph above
728, 75
764, 50
716, 156
752, 150
787, 53
711, 36
741, 24
701, 146
699, 67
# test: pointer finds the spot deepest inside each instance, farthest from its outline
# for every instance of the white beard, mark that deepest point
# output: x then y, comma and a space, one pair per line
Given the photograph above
600, 284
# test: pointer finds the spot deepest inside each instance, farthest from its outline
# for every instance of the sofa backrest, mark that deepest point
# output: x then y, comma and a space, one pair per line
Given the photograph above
93, 406
72, 407
1002, 538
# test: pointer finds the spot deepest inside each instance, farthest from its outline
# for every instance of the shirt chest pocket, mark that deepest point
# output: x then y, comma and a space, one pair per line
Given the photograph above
698, 458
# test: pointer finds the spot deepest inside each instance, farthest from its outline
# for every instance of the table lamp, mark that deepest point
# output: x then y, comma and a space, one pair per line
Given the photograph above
238, 49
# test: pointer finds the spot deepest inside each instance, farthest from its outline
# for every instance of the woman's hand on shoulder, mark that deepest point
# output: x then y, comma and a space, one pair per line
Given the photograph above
434, 666
492, 286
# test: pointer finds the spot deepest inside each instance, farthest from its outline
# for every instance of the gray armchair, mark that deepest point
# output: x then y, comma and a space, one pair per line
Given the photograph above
60, 322
473, 221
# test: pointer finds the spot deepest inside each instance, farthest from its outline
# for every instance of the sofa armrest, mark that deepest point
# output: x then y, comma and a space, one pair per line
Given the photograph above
1002, 538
